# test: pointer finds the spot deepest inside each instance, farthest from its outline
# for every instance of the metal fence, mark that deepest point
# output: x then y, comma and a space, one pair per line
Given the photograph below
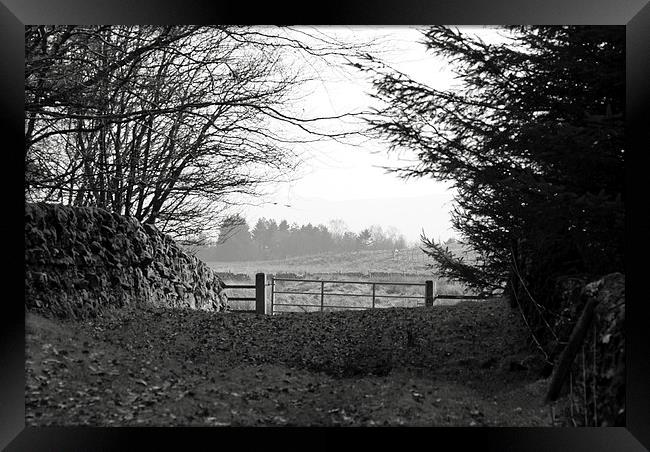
427, 298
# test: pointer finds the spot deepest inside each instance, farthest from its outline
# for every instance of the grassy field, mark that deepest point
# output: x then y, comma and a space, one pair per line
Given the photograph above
407, 261
405, 266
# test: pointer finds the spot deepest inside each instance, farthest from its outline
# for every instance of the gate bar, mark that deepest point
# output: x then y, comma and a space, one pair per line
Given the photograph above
385, 283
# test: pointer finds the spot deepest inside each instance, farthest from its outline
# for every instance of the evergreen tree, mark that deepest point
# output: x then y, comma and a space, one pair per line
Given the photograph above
261, 237
365, 238
283, 237
533, 144
233, 244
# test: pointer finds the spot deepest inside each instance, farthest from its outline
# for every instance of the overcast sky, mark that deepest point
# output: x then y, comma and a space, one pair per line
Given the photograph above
348, 182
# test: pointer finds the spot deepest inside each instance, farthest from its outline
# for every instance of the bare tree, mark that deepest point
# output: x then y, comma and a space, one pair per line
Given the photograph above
166, 124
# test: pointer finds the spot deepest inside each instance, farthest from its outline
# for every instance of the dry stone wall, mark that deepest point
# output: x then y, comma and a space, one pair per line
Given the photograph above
80, 261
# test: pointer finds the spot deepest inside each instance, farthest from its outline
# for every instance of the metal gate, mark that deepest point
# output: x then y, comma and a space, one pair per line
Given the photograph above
260, 298
427, 297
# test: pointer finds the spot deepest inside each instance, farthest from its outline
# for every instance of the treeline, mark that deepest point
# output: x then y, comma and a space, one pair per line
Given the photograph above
270, 239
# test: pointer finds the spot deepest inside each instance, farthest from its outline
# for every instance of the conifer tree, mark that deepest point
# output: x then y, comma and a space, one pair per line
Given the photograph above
532, 142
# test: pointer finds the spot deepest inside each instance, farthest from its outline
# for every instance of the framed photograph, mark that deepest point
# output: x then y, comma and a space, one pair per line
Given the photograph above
209, 167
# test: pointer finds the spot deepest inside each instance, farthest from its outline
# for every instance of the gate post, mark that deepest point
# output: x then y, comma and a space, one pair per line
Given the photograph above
428, 293
322, 295
272, 292
260, 293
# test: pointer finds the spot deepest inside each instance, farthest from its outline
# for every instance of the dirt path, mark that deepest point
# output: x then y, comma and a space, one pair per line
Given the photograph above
460, 365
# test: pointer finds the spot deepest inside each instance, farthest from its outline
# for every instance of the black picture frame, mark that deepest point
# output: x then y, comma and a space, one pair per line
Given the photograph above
634, 15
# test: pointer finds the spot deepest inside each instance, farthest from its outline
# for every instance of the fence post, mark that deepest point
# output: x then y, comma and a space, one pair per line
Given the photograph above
322, 295
260, 293
428, 293
563, 366
272, 291
373, 295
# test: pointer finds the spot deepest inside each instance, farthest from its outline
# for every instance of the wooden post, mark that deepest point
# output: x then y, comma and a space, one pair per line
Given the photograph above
272, 292
322, 295
373, 295
260, 293
428, 293
570, 350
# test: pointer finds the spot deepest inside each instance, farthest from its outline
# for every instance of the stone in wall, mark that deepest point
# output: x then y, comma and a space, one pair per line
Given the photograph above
82, 260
